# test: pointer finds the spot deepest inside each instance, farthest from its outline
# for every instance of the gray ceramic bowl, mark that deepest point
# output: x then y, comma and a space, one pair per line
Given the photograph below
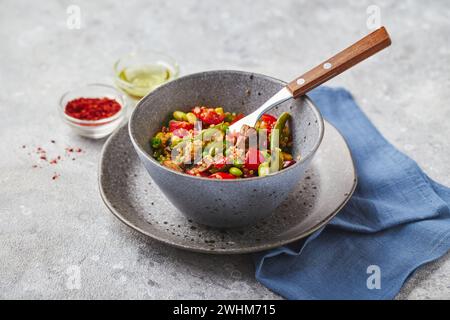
224, 203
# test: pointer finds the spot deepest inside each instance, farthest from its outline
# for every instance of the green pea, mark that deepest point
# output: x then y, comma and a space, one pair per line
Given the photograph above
180, 116
235, 171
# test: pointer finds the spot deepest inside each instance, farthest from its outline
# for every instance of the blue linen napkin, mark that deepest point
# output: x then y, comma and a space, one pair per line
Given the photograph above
397, 220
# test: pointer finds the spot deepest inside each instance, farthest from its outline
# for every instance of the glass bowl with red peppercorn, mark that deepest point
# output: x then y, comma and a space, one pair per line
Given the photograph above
94, 110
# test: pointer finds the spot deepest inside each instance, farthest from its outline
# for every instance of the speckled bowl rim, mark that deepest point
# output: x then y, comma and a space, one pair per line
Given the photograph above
247, 250
201, 74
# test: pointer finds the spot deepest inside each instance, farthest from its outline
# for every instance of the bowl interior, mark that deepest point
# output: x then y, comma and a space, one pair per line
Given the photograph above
235, 91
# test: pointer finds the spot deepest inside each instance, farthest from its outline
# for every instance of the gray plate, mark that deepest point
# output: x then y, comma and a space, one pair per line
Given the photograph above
131, 195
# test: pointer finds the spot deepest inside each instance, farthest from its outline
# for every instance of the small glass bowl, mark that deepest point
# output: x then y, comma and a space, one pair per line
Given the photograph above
139, 61
94, 129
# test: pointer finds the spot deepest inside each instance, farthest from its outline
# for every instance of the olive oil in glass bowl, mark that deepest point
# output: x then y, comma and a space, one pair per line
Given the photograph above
139, 73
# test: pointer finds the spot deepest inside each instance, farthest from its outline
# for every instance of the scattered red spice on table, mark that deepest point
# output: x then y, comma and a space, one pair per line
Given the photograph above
70, 150
92, 108
45, 158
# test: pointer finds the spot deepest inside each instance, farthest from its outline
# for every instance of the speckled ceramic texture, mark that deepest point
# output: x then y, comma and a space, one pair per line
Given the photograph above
224, 203
137, 201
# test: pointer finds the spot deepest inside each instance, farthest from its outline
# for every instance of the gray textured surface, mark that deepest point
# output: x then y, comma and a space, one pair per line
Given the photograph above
50, 229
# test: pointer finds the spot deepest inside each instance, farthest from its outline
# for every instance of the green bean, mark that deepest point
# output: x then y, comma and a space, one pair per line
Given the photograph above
235, 171
180, 116
278, 129
276, 160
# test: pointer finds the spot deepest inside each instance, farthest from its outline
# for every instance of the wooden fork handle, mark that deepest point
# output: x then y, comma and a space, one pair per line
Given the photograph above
361, 50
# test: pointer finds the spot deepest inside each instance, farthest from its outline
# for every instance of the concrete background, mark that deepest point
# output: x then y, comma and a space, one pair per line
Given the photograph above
51, 231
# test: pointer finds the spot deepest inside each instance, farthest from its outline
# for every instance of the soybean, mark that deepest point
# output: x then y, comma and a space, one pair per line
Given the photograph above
191, 118
235, 171
180, 116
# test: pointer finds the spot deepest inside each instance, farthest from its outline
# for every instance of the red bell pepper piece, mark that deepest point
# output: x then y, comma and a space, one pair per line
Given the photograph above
221, 163
237, 118
222, 175
253, 159
208, 115
180, 133
267, 122
174, 125
269, 119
